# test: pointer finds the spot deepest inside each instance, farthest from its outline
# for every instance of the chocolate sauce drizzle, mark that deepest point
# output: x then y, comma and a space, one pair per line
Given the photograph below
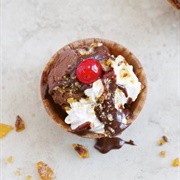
106, 111
106, 144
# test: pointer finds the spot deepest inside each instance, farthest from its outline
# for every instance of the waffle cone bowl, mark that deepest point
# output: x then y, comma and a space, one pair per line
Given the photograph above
58, 114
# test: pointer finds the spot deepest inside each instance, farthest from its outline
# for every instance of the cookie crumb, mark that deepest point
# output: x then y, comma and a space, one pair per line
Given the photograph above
163, 153
10, 159
4, 129
18, 172
163, 140
81, 150
176, 162
45, 172
19, 124
28, 177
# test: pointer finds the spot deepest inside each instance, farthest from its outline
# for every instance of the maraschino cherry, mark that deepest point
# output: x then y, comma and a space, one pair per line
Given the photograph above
88, 71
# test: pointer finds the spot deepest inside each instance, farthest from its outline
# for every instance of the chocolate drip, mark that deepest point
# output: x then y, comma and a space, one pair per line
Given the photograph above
106, 111
70, 82
106, 144
123, 89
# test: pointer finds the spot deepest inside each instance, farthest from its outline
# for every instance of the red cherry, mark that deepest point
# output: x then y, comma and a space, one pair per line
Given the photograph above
88, 71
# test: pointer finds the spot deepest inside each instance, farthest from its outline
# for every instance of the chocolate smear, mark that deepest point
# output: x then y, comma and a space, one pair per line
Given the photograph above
106, 144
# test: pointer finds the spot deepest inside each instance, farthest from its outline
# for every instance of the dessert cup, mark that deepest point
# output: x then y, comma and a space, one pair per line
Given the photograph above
58, 115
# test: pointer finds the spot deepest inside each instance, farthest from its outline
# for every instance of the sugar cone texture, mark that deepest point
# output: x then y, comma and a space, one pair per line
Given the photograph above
115, 49
175, 3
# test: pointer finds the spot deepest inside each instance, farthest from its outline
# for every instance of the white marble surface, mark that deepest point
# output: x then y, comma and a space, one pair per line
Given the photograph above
32, 31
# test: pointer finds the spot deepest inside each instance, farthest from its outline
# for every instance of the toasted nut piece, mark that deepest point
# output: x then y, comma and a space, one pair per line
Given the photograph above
19, 124
71, 100
18, 172
81, 150
10, 159
163, 153
176, 162
161, 142
45, 172
28, 177
4, 129
165, 138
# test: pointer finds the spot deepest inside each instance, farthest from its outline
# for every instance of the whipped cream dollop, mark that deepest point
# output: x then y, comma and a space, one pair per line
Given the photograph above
82, 111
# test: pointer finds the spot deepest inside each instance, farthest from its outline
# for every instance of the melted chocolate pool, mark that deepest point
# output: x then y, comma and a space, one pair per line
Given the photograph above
106, 144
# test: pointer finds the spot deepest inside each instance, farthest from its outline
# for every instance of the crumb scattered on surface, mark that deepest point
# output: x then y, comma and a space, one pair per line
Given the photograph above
45, 172
18, 172
10, 159
19, 124
81, 150
163, 153
176, 162
28, 177
4, 129
163, 140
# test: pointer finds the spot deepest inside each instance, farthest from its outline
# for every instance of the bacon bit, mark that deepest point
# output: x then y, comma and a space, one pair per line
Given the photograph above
10, 159
176, 162
81, 150
45, 172
4, 129
19, 124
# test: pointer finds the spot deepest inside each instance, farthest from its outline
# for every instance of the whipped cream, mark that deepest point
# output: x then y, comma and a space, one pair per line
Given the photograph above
126, 77
83, 110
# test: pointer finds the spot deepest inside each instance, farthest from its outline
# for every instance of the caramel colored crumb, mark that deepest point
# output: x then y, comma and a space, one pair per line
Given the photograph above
19, 124
71, 100
165, 138
45, 172
161, 142
18, 172
176, 162
81, 150
163, 153
4, 129
10, 159
28, 177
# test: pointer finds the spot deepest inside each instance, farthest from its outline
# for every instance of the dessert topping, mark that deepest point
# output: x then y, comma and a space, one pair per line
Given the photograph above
4, 129
45, 172
176, 162
88, 71
19, 124
81, 150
